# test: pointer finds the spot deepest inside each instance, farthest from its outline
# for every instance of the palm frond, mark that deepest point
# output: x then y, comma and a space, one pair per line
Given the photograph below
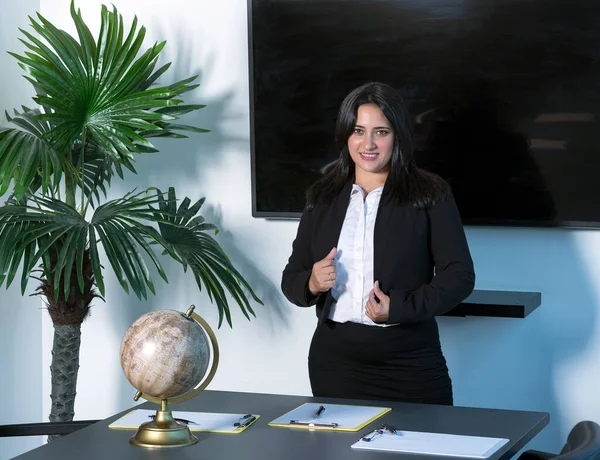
187, 235
100, 105
119, 226
26, 154
98, 170
29, 232
98, 92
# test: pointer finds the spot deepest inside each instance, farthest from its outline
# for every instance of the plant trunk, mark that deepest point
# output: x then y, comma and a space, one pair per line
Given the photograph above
64, 368
67, 315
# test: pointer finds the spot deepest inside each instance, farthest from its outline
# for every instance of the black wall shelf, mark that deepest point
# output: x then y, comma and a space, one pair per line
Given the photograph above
500, 304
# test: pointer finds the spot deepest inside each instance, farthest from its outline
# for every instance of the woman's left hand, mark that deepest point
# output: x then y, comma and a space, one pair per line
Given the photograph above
379, 312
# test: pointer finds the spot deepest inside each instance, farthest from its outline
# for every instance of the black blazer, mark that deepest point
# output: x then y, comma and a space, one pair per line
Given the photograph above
409, 245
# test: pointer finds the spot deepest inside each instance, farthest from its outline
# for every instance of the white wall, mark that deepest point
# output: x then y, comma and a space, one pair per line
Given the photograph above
546, 362
209, 40
20, 324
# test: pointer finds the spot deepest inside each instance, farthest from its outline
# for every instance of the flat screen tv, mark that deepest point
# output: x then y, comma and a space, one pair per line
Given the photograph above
504, 96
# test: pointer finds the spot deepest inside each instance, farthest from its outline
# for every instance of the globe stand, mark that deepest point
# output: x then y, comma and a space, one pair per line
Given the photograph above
164, 431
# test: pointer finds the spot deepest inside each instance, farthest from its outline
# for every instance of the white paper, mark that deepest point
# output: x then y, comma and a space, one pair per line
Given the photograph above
199, 421
450, 445
345, 416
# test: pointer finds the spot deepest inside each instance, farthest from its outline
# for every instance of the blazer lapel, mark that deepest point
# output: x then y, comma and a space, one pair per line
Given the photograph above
334, 221
384, 226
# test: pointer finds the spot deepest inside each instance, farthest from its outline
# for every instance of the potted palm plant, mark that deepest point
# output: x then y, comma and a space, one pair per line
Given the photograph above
98, 106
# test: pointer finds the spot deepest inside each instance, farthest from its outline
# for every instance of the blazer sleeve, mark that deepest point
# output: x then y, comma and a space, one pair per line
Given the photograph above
294, 281
454, 277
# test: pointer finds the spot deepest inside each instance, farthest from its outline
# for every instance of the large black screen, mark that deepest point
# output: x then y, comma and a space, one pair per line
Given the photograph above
504, 96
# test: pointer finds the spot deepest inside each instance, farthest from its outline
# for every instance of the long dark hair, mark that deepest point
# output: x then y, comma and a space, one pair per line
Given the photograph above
406, 183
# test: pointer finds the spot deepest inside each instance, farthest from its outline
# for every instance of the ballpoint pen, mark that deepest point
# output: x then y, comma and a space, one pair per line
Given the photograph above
245, 420
390, 428
379, 431
319, 411
315, 424
182, 420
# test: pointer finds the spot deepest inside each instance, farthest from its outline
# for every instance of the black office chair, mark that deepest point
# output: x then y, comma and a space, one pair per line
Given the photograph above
583, 443
43, 429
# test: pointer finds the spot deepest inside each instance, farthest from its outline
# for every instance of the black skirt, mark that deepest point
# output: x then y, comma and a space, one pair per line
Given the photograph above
357, 361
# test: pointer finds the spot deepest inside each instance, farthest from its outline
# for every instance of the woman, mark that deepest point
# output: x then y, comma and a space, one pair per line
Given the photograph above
373, 232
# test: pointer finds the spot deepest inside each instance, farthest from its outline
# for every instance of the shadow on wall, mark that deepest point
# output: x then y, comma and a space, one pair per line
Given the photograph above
275, 310
186, 160
520, 363
189, 160
184, 163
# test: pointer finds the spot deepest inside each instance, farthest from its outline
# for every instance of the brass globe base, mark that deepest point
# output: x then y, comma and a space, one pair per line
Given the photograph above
163, 432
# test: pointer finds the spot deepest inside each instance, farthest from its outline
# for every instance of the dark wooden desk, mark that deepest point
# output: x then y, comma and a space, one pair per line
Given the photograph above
261, 442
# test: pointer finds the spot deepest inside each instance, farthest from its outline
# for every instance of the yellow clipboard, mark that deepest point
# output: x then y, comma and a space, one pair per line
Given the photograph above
197, 421
336, 417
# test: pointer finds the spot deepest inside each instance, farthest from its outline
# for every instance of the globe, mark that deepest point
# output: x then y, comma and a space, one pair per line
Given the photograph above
165, 354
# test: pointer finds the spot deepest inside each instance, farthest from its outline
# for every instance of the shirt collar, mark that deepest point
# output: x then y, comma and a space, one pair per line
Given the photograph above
358, 189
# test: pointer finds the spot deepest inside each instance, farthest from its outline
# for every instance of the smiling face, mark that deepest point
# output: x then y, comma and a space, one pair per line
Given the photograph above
372, 142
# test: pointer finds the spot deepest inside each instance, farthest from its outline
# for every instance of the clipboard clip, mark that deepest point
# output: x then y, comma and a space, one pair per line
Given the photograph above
180, 420
315, 424
378, 432
371, 435
245, 421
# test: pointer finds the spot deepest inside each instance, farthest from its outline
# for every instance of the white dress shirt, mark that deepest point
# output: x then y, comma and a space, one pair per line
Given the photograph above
354, 259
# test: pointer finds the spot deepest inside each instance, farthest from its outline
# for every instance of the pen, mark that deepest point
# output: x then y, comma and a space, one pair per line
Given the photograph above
247, 420
182, 420
390, 428
319, 411
328, 425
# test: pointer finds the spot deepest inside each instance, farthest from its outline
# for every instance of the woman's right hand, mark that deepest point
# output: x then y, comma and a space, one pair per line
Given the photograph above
323, 274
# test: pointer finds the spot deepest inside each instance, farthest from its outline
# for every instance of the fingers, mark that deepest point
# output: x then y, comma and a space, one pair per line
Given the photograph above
325, 268
368, 311
331, 254
371, 309
372, 296
325, 263
325, 276
378, 305
379, 294
324, 273
377, 312
376, 287
378, 291
328, 260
